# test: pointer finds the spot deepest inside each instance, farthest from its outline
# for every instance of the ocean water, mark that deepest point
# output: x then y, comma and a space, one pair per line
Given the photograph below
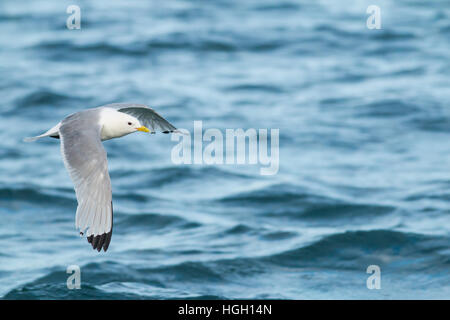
364, 154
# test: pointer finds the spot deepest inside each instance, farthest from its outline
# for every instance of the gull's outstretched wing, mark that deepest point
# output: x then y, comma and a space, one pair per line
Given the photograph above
85, 159
147, 116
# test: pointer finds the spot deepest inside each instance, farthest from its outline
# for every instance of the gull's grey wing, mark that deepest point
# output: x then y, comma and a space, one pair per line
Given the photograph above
85, 159
146, 115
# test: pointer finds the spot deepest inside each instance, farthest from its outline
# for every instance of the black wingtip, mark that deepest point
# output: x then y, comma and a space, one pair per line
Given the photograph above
103, 240
107, 241
100, 241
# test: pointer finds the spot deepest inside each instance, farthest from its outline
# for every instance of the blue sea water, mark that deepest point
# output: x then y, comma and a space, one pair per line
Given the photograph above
364, 165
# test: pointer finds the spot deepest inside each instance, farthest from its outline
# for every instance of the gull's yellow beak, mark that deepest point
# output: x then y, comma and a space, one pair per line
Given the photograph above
143, 129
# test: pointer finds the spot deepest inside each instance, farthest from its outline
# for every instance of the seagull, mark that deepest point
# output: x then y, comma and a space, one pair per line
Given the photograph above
81, 135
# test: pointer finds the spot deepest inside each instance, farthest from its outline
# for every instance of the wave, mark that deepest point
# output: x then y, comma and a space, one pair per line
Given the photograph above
253, 87
398, 252
112, 280
33, 104
356, 250
161, 177
438, 122
284, 200
42, 98
263, 233
392, 35
390, 49
33, 195
151, 222
389, 108
279, 6
176, 41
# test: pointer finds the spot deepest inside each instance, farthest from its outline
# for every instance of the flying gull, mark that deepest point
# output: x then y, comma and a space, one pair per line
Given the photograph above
84, 157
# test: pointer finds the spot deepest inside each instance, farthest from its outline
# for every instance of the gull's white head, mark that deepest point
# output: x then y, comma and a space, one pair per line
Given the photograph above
116, 124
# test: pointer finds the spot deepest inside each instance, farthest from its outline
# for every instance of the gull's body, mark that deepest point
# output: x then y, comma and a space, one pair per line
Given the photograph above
84, 157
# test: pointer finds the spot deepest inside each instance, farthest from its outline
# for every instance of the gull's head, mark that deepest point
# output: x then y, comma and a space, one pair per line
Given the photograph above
116, 124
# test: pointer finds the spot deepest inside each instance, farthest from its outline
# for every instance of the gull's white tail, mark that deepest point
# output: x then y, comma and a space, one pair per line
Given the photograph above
52, 132
31, 139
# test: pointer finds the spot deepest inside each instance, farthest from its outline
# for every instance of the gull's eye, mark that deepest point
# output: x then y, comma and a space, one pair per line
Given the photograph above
129, 123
